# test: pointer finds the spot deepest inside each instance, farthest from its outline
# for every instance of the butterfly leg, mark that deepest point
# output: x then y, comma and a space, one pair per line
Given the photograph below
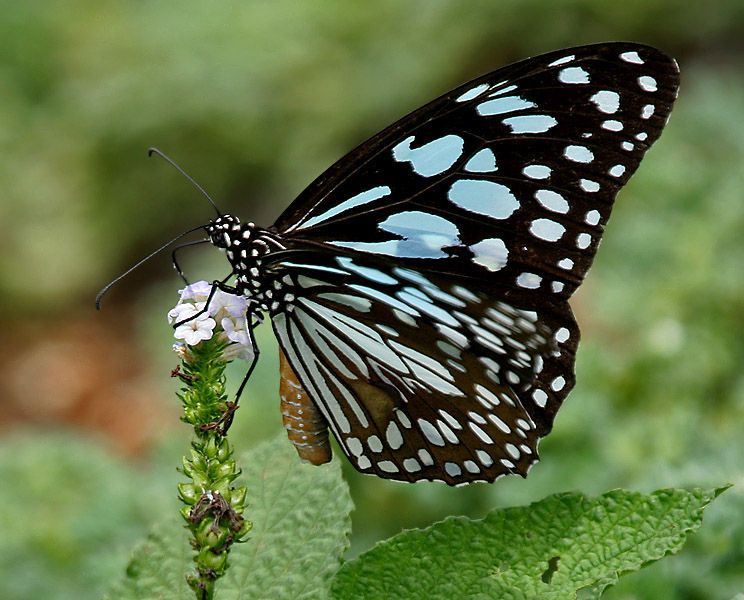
175, 262
216, 285
223, 423
306, 427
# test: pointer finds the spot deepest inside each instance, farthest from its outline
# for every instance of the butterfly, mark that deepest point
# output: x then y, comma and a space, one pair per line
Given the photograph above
419, 287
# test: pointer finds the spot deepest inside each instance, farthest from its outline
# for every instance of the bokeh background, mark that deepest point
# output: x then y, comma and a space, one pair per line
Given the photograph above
255, 99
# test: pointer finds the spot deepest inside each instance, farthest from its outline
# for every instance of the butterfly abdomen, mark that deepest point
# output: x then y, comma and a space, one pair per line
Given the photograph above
306, 426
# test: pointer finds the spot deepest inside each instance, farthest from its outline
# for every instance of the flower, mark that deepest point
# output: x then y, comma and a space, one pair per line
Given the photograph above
225, 316
236, 331
196, 291
197, 327
223, 304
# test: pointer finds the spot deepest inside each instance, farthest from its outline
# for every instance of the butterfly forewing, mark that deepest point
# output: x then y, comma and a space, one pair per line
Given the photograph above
509, 178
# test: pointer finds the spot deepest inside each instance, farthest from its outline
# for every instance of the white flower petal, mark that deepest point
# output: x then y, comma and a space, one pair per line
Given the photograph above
197, 290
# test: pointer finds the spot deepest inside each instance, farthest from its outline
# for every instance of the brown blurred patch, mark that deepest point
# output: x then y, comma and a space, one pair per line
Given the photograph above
83, 371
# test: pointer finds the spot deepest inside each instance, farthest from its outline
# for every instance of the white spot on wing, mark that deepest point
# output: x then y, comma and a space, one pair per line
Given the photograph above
607, 101
583, 240
355, 302
530, 123
647, 83
612, 125
423, 235
537, 171
647, 111
529, 280
551, 200
452, 469
425, 457
368, 273
573, 75
471, 467
490, 253
580, 154
354, 446
472, 93
592, 217
503, 104
562, 61
393, 436
484, 458
482, 161
387, 466
503, 90
617, 170
431, 433
632, 57
374, 443
482, 435
411, 465
432, 158
483, 197
370, 195
540, 398
558, 383
547, 229
588, 185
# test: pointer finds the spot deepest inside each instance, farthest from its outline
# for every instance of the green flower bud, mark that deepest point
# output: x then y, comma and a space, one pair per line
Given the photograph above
224, 470
237, 497
210, 448
209, 560
188, 493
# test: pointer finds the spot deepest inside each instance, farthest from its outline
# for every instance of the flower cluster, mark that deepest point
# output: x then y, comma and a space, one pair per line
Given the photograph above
225, 315
212, 328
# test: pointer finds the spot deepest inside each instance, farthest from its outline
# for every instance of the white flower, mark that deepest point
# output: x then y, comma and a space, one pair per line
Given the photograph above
223, 304
229, 310
196, 291
195, 329
236, 331
180, 312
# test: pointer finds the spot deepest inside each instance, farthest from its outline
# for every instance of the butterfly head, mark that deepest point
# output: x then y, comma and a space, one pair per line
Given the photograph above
223, 230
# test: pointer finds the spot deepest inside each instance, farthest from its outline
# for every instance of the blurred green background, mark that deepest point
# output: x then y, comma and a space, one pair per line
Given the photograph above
255, 99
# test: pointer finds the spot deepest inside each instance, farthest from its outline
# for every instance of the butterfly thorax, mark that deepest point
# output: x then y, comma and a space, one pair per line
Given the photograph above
247, 246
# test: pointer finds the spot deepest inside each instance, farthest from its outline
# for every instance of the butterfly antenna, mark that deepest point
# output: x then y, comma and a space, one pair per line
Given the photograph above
148, 257
152, 151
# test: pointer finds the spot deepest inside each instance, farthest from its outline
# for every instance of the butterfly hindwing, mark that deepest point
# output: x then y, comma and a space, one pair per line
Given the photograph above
419, 377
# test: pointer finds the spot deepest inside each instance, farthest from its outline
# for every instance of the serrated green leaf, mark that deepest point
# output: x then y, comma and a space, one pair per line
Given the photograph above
158, 566
301, 526
548, 550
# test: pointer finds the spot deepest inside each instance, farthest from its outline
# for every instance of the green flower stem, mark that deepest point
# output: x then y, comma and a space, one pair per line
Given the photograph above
213, 507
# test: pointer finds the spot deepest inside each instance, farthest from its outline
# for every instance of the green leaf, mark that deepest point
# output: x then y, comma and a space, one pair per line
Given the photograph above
158, 566
301, 526
548, 550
